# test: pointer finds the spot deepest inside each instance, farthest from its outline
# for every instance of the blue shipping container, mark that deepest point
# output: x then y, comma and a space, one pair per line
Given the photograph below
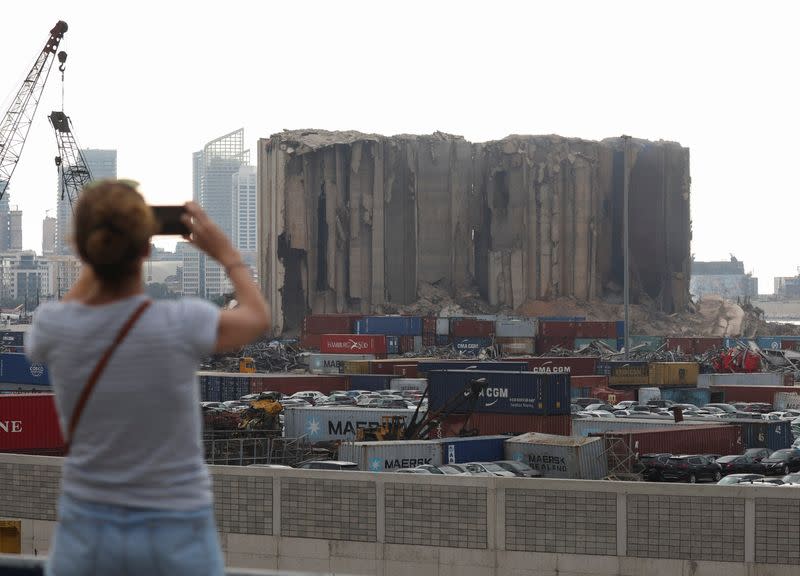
733, 342
505, 393
769, 342
775, 435
15, 369
471, 345
475, 449
584, 392
370, 381
394, 325
697, 396
442, 339
393, 344
424, 367
10, 338
621, 329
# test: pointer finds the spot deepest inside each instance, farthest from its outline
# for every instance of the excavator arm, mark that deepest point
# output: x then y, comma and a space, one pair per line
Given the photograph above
17, 121
467, 396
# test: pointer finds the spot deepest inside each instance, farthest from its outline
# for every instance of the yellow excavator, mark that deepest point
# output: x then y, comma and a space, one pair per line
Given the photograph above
262, 414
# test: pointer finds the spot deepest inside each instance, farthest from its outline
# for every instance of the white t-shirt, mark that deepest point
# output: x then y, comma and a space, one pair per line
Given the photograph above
139, 440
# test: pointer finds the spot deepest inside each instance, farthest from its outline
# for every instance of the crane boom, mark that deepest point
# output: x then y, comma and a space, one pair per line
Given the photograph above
73, 170
17, 121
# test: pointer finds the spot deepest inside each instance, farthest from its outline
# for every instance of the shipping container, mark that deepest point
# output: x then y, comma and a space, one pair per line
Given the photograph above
588, 426
395, 325
470, 328
645, 394
647, 343
406, 370
357, 367
310, 341
556, 329
722, 440
332, 424
12, 338
369, 382
706, 344
418, 343
696, 396
409, 384
442, 340
502, 366
745, 379
505, 392
594, 381
580, 392
560, 456
584, 342
472, 449
392, 455
622, 373
596, 330
29, 424
546, 344
407, 344
764, 394
443, 326
429, 326
682, 374
769, 342
511, 424
613, 395
330, 323
561, 319
773, 434
16, 369
515, 328
572, 365
387, 366
680, 345
353, 344
211, 384
735, 342
332, 363
393, 344
471, 345
786, 401
515, 346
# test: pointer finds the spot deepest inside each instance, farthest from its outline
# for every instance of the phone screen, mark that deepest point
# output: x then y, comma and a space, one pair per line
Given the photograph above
168, 220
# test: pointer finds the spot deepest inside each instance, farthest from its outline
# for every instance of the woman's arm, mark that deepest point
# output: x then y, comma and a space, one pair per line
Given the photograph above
251, 319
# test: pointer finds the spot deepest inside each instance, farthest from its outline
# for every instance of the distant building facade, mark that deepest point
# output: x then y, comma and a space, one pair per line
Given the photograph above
102, 164
49, 235
726, 279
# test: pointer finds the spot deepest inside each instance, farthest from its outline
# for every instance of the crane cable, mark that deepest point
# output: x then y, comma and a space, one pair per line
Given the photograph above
62, 59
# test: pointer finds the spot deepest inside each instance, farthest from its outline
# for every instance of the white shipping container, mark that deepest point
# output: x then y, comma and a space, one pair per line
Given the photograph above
443, 326
587, 426
786, 401
329, 424
417, 344
332, 363
757, 379
416, 384
393, 455
515, 328
647, 394
560, 456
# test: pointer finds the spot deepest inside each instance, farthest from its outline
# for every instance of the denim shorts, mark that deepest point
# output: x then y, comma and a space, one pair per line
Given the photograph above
93, 538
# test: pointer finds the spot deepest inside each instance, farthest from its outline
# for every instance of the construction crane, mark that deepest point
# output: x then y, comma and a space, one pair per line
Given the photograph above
19, 117
73, 170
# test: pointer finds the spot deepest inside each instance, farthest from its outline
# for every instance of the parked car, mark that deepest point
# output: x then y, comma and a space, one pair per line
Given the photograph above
453, 470
733, 479
584, 402
310, 396
728, 408
653, 465
769, 481
329, 465
626, 405
599, 406
337, 400
519, 468
740, 464
753, 407
660, 403
294, 403
431, 468
412, 471
691, 468
791, 479
781, 462
758, 454
488, 468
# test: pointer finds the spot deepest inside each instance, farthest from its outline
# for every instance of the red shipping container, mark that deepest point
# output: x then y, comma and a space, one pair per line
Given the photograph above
310, 341
514, 424
330, 323
682, 345
722, 440
429, 326
29, 424
387, 366
764, 394
572, 365
596, 330
406, 370
589, 381
613, 395
406, 344
290, 383
790, 345
469, 328
353, 344
703, 345
549, 329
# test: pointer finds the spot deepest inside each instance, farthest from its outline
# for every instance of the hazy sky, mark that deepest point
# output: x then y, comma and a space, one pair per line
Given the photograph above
158, 80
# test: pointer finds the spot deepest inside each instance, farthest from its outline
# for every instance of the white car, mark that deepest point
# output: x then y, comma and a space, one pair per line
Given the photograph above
625, 404
311, 396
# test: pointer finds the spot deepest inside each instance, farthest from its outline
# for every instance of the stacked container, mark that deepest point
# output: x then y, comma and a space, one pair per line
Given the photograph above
560, 456
223, 386
572, 365
16, 369
673, 374
333, 363
374, 344
316, 325
29, 425
622, 373
333, 424
721, 440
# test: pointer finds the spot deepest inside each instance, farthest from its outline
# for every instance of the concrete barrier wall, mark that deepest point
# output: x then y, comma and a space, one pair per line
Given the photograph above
365, 523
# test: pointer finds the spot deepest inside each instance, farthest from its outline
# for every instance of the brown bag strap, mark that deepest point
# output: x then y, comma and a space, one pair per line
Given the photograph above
98, 370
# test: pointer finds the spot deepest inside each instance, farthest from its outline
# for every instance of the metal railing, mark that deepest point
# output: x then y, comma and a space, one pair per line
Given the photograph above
13, 565
242, 448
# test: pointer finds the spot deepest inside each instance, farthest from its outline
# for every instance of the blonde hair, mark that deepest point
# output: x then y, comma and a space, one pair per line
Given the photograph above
112, 228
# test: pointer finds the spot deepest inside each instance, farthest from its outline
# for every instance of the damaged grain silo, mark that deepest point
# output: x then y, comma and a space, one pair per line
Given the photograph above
353, 222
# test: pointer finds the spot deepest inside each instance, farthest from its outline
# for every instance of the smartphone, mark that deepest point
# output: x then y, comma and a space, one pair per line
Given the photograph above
168, 220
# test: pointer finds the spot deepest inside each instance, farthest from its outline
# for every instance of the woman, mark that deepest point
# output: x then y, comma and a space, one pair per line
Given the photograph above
136, 493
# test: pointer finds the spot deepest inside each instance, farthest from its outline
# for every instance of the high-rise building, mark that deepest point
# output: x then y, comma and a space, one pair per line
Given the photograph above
49, 235
245, 216
15, 230
213, 169
101, 164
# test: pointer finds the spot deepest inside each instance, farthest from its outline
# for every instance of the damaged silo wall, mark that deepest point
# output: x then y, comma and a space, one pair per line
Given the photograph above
356, 221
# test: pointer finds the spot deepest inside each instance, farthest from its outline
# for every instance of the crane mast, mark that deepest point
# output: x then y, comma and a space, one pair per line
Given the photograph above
17, 121
73, 171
